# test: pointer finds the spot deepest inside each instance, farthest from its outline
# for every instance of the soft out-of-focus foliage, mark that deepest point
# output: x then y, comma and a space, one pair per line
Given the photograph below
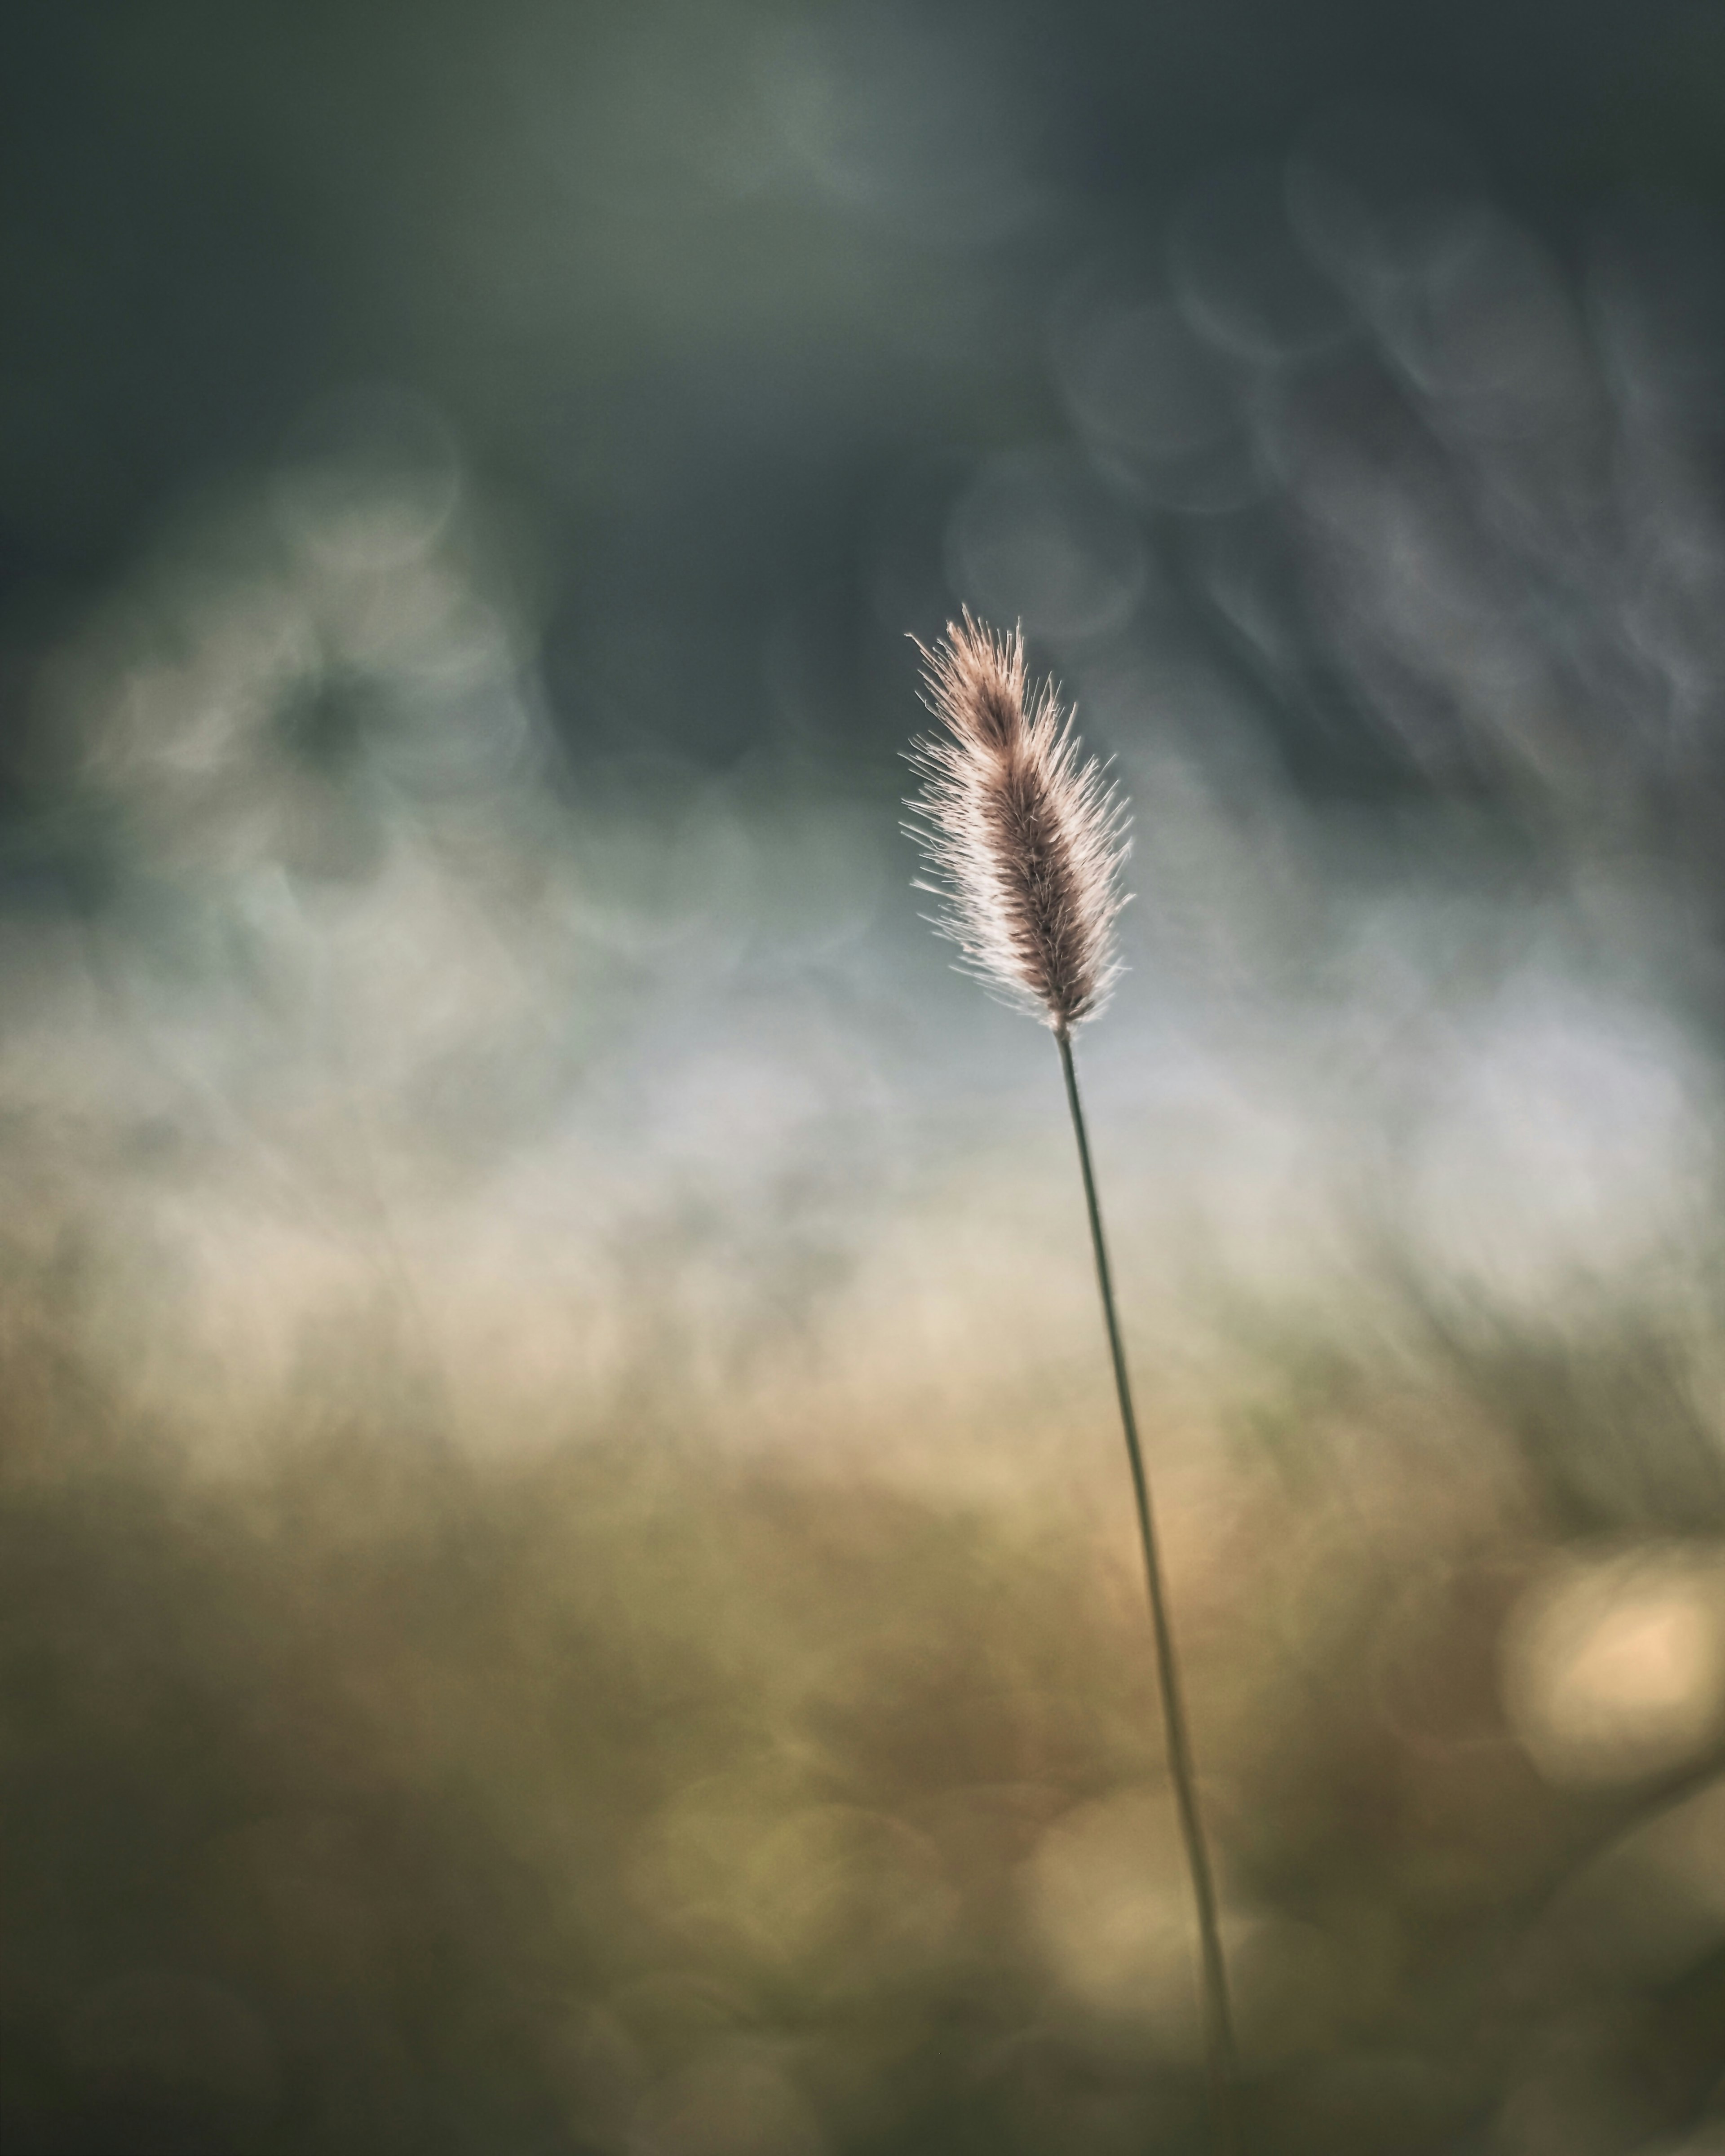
629, 1799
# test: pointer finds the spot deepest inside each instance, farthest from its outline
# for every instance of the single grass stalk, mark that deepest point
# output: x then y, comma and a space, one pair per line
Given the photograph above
1220, 2053
1027, 842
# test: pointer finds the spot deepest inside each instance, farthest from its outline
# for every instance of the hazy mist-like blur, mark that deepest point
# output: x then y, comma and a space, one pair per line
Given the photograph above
566, 1582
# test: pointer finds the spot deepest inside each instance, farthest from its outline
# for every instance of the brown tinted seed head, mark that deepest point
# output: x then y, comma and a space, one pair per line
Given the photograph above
1024, 838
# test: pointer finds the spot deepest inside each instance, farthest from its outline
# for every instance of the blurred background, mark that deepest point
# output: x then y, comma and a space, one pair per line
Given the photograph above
565, 1577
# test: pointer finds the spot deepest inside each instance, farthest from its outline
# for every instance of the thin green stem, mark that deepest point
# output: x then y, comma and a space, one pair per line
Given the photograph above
1220, 2054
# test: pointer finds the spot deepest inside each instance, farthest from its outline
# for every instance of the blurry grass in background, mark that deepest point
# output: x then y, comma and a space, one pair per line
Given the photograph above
635, 1798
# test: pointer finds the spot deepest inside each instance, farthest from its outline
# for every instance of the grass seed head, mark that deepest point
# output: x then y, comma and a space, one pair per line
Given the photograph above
1024, 838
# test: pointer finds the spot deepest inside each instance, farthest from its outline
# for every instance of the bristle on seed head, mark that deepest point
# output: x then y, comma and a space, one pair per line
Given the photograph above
1024, 838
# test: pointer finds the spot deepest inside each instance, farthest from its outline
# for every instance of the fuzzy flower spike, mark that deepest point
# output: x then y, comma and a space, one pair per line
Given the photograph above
1025, 840
1023, 835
